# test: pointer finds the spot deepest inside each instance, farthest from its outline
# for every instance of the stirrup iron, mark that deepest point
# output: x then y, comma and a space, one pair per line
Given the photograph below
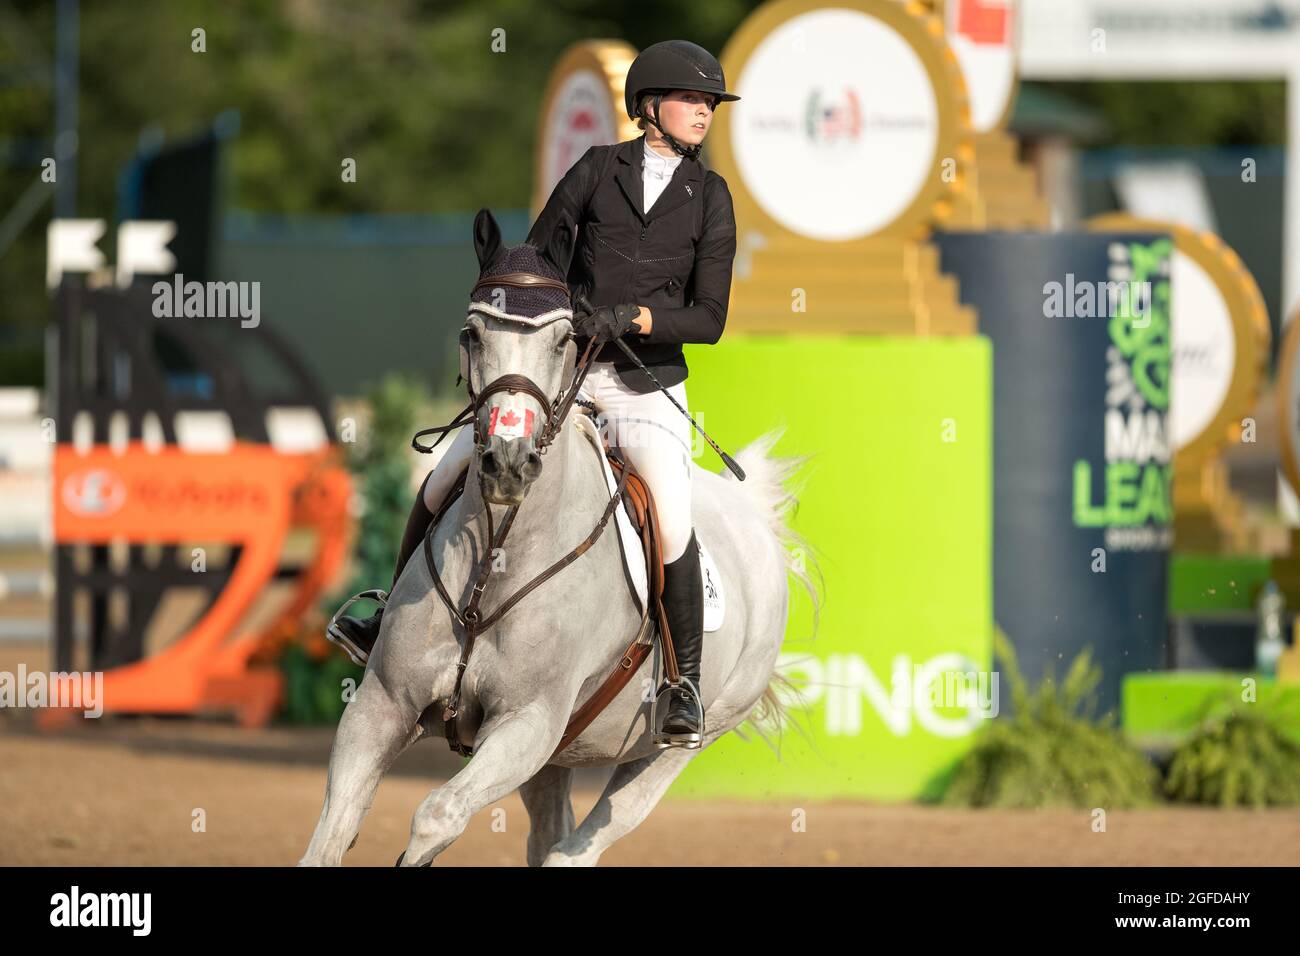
335, 636
663, 740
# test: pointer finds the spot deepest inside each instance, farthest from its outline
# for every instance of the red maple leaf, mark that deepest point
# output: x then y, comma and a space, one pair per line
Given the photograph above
509, 418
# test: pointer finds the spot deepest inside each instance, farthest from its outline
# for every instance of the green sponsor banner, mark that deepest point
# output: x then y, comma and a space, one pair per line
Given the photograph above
1161, 710
1205, 583
898, 503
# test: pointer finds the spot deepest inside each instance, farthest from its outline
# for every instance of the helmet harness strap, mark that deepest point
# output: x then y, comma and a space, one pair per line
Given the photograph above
690, 152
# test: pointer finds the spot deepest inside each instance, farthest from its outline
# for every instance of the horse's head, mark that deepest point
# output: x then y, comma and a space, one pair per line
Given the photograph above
517, 354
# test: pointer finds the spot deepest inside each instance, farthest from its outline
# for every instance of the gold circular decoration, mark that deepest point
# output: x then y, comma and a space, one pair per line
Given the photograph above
1246, 314
952, 10
582, 107
1288, 400
783, 46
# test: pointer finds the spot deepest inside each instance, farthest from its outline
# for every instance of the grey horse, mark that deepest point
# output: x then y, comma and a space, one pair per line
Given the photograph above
533, 668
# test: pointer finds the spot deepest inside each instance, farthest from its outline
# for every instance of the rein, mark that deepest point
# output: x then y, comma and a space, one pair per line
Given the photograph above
470, 617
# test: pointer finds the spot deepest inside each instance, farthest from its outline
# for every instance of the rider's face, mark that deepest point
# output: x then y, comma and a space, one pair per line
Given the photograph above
686, 115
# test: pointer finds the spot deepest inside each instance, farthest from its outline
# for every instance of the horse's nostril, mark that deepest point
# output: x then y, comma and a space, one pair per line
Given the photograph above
532, 466
489, 463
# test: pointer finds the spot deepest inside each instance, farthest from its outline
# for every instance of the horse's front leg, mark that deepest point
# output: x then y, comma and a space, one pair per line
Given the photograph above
550, 810
372, 732
507, 753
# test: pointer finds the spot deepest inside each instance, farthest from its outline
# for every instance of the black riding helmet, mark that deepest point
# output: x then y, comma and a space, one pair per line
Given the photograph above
673, 65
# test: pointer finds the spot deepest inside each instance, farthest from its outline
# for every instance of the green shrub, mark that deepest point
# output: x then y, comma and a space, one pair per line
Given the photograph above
1052, 751
1241, 754
381, 466
313, 686
314, 670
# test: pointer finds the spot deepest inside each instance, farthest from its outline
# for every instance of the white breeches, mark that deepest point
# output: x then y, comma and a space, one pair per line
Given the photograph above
653, 436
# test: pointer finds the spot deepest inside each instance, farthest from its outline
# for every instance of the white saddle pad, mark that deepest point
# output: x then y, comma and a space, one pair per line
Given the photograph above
715, 603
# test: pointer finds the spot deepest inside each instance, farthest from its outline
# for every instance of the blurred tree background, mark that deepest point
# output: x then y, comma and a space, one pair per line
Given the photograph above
1186, 114
411, 89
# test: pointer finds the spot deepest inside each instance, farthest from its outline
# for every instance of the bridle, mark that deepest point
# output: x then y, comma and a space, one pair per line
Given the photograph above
470, 617
554, 409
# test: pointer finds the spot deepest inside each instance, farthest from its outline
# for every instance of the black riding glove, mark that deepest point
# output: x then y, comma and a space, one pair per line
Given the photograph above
606, 323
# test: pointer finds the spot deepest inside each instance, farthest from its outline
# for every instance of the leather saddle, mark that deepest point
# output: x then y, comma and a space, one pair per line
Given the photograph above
639, 505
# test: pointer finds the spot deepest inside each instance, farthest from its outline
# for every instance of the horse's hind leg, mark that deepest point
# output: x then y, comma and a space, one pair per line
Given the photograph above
506, 756
550, 811
632, 792
373, 731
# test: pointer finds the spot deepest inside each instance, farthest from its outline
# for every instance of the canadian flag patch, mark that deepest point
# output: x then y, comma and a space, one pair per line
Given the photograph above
508, 423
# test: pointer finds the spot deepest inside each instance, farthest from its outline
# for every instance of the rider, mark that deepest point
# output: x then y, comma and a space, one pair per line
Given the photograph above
653, 256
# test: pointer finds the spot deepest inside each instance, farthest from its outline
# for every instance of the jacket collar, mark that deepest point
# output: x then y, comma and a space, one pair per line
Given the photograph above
685, 184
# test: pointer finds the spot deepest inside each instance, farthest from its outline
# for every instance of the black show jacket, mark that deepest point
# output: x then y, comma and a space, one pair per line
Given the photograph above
676, 259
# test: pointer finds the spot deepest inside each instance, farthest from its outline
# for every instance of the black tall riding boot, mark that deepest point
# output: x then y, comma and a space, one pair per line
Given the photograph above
684, 606
357, 635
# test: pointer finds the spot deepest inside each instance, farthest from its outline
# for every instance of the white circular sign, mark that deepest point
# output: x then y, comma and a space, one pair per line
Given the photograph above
1204, 350
981, 33
581, 116
837, 127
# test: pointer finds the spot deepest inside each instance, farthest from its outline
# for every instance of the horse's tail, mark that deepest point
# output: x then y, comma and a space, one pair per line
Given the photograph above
766, 488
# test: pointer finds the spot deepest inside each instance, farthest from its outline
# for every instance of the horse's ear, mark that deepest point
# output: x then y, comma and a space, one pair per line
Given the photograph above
487, 238
559, 247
